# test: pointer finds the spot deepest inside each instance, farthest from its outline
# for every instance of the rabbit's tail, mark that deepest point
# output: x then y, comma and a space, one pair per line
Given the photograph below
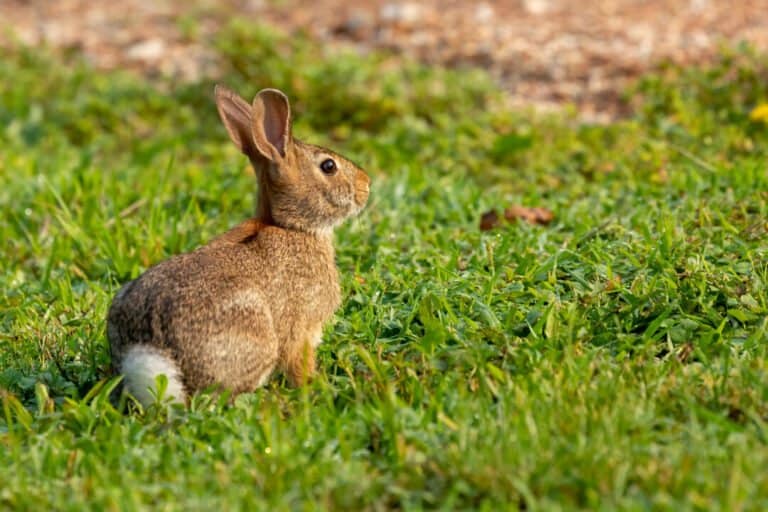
141, 366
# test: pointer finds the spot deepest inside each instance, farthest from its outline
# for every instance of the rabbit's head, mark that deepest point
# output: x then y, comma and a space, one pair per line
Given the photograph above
301, 186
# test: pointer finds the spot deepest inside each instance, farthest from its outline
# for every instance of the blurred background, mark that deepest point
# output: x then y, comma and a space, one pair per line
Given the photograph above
545, 53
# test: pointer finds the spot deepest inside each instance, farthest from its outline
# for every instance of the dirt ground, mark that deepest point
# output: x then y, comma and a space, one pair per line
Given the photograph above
543, 52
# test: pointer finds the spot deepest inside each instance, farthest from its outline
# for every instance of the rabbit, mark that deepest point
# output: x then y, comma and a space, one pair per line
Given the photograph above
254, 299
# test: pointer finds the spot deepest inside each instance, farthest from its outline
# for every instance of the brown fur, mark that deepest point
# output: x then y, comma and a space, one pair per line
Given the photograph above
255, 298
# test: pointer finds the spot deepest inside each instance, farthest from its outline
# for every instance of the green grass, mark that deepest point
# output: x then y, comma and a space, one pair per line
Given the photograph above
614, 359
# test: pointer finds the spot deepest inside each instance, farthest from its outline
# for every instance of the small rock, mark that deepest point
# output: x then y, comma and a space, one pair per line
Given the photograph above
537, 6
484, 12
147, 50
699, 5
405, 13
356, 25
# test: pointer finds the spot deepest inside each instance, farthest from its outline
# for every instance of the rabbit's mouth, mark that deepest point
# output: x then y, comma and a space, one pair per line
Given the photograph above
353, 202
356, 208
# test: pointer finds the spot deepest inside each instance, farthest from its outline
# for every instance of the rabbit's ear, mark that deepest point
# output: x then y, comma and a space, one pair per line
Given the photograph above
271, 128
235, 113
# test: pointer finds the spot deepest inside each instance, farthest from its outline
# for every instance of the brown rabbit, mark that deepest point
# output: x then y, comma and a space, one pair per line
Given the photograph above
254, 299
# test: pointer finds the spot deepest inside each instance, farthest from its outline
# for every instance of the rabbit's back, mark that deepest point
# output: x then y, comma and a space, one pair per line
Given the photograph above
221, 311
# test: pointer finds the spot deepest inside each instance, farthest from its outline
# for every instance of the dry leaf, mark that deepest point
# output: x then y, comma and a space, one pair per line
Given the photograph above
489, 220
661, 176
534, 215
613, 283
684, 353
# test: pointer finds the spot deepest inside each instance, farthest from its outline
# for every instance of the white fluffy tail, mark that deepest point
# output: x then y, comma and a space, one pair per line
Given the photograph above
140, 367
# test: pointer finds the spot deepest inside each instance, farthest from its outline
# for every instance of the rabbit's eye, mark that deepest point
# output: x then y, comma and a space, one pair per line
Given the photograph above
328, 166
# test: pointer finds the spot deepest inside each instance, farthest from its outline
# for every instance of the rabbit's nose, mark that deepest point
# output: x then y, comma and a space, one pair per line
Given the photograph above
363, 180
362, 188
